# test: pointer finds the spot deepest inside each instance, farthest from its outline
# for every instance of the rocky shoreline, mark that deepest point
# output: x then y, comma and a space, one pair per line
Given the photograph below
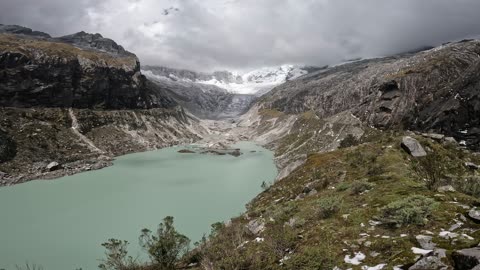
63, 170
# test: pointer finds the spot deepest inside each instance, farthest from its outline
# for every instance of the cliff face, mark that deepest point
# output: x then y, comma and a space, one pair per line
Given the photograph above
435, 90
80, 71
78, 101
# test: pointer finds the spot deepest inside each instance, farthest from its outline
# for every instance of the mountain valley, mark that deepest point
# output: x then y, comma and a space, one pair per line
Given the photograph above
351, 192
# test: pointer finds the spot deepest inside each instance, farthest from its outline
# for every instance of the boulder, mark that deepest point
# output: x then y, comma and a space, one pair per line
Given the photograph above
472, 166
256, 226
434, 136
474, 214
425, 241
413, 147
445, 189
53, 166
430, 263
466, 259
451, 140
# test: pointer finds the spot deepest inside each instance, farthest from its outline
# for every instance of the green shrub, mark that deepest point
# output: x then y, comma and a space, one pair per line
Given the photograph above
280, 239
470, 186
343, 186
431, 169
360, 186
328, 206
117, 256
311, 258
166, 246
411, 210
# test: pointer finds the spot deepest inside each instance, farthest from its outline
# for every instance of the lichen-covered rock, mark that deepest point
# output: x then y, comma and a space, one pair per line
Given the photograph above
466, 259
425, 241
413, 147
429, 263
256, 226
445, 189
474, 214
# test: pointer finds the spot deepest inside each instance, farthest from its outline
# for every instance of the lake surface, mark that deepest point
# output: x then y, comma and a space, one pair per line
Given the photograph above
61, 224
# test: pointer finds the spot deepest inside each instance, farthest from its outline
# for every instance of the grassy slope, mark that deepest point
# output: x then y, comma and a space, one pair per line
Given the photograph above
321, 243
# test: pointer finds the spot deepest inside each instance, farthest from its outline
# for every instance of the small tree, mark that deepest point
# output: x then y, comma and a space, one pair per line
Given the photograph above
117, 258
431, 169
167, 246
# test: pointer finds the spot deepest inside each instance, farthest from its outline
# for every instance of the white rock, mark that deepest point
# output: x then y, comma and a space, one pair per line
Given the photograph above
378, 267
421, 251
448, 235
259, 239
356, 260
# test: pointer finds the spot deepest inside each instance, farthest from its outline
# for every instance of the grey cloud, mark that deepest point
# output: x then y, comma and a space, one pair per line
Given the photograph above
241, 34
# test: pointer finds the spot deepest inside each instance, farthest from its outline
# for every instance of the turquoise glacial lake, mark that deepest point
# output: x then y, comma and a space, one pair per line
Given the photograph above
60, 224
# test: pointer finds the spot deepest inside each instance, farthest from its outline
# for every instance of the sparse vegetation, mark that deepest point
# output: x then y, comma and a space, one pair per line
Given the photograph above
360, 186
312, 258
412, 210
328, 206
342, 187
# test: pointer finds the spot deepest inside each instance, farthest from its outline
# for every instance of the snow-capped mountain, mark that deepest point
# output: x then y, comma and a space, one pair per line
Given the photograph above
221, 94
256, 82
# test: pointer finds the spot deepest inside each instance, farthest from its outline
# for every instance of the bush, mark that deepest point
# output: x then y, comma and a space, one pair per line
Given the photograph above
360, 186
431, 169
411, 210
470, 186
117, 256
280, 239
312, 258
349, 141
328, 206
166, 246
343, 186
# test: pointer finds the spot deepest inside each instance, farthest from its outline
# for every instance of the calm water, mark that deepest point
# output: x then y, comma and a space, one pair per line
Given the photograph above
60, 224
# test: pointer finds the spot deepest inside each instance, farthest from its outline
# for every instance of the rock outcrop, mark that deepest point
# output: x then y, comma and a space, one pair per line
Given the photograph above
80, 71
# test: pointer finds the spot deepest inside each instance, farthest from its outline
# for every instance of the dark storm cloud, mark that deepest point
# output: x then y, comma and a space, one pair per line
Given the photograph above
207, 34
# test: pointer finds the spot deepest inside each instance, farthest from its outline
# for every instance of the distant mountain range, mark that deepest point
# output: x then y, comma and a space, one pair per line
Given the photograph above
220, 94
256, 82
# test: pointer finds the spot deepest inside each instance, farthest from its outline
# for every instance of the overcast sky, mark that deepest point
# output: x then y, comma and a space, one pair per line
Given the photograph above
243, 34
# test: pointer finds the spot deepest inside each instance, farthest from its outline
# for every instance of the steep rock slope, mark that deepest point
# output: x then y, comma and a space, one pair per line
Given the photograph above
434, 90
75, 102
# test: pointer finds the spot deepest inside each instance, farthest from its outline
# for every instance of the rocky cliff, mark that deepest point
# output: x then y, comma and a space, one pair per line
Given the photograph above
72, 103
80, 71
